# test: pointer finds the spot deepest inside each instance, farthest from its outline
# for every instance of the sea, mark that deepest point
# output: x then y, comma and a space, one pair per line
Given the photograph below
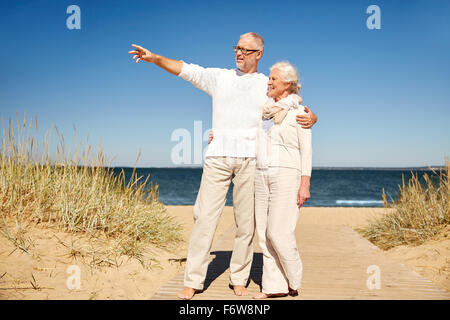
330, 187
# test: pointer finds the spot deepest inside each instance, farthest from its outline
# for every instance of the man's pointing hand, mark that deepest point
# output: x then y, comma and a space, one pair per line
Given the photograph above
142, 54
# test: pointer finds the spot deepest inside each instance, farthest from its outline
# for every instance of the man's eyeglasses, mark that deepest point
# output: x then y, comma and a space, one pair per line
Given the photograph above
243, 50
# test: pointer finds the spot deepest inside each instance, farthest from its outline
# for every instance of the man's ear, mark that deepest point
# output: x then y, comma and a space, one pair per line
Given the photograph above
259, 54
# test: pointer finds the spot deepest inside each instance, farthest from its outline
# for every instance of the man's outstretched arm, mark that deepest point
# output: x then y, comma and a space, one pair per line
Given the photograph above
170, 65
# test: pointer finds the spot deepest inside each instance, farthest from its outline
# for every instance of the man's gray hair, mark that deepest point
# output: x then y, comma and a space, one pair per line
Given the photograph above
259, 41
288, 74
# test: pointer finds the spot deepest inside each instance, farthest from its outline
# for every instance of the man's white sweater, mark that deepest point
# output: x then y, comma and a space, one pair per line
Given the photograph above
237, 101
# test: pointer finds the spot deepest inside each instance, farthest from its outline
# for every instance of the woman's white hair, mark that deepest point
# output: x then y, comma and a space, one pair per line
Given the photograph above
288, 74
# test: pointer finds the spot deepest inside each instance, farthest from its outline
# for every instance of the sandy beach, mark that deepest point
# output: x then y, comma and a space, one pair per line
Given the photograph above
42, 271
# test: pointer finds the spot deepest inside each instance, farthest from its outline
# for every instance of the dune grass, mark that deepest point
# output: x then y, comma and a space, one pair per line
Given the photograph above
420, 213
76, 192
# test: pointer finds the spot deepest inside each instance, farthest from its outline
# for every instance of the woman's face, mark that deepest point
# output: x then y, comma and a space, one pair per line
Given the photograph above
276, 87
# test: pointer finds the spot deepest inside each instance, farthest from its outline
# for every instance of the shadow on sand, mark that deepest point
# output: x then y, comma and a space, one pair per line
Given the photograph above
221, 263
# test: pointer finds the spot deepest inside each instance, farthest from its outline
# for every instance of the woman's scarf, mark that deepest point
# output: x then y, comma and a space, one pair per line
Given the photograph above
277, 111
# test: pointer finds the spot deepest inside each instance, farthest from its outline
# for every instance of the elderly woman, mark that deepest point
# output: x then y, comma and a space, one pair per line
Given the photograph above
283, 162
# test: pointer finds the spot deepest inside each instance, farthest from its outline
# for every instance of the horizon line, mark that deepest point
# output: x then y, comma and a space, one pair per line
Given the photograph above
437, 167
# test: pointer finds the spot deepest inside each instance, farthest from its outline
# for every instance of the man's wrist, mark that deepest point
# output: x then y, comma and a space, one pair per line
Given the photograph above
156, 59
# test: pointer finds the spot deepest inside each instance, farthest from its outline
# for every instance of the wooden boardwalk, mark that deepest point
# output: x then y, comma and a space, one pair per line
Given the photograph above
335, 266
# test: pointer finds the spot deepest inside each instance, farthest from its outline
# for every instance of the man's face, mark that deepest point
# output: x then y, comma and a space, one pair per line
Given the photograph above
249, 61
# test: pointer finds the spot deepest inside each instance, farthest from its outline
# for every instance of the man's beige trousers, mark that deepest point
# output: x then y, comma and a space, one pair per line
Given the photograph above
218, 173
276, 215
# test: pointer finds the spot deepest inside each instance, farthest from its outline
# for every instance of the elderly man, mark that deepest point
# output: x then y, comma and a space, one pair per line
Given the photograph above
238, 96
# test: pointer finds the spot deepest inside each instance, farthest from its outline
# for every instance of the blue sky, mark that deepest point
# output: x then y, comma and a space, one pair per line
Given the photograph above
382, 96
